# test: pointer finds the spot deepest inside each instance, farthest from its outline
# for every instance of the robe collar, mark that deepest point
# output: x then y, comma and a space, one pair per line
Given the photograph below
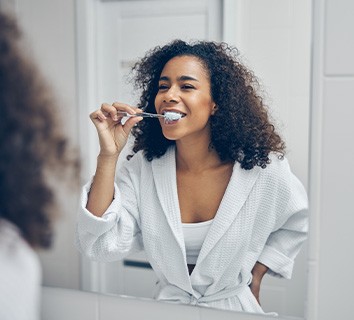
236, 194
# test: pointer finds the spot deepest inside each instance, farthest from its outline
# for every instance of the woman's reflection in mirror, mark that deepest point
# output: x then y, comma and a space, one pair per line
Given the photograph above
209, 197
33, 148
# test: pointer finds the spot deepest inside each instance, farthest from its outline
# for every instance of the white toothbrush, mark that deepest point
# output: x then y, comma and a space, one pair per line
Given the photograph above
170, 116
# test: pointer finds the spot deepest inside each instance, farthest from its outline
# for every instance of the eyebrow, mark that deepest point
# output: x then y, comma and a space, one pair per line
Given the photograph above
181, 78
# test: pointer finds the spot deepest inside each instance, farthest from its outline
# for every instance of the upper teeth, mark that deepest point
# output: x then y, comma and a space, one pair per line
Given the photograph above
172, 115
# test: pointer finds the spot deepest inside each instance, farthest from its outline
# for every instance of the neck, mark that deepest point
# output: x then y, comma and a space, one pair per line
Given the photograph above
196, 156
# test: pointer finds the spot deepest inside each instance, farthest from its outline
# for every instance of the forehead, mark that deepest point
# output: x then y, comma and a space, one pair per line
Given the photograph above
185, 65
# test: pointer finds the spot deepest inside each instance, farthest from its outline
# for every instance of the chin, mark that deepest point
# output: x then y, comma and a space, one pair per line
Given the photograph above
170, 134
170, 137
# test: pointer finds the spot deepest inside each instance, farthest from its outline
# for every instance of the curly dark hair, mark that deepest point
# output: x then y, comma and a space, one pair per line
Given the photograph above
240, 128
32, 145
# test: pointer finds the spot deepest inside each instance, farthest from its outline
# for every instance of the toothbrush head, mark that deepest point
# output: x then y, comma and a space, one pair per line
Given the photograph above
172, 116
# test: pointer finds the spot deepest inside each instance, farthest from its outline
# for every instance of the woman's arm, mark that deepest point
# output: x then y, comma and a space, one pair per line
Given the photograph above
102, 188
108, 230
258, 271
112, 136
289, 231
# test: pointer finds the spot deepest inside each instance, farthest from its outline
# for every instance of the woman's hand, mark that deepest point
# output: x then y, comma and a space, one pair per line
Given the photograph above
112, 133
258, 271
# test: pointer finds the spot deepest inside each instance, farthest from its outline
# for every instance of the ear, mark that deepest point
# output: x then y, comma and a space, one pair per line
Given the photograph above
213, 110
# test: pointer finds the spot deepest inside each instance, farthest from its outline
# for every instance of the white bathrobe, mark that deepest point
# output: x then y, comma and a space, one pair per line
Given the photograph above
262, 217
20, 276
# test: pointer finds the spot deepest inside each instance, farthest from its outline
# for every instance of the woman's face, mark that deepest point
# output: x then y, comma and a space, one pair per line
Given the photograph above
184, 87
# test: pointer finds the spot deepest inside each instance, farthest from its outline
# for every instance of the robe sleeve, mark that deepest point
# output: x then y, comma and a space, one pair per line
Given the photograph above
117, 233
291, 227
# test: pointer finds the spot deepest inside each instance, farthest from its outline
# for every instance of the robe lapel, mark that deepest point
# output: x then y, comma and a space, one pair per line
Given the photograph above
240, 185
164, 173
236, 194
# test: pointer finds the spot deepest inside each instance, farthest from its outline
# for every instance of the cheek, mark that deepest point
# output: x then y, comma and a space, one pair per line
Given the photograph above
205, 102
158, 99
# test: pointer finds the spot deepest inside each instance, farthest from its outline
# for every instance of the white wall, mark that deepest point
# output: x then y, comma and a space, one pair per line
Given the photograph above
332, 157
274, 39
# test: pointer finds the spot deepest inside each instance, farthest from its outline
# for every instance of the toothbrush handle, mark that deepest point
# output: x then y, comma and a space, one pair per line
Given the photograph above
141, 114
149, 115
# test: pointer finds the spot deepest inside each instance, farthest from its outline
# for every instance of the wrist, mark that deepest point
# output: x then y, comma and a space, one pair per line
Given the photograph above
107, 163
259, 270
107, 157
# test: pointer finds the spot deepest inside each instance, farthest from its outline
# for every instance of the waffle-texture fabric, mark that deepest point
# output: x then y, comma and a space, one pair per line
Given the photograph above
20, 276
262, 217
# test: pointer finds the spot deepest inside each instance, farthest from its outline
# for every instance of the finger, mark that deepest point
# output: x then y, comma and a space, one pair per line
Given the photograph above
109, 110
130, 123
98, 114
125, 107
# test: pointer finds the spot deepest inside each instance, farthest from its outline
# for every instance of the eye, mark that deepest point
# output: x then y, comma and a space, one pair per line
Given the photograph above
187, 86
162, 87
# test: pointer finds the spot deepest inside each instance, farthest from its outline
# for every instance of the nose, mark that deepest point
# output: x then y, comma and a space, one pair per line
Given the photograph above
171, 95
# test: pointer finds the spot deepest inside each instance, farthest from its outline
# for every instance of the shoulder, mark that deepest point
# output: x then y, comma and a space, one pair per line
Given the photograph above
20, 273
278, 167
15, 252
130, 169
135, 163
279, 179
135, 169
277, 175
138, 160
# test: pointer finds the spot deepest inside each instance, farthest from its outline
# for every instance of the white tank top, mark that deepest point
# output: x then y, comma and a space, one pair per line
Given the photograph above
194, 236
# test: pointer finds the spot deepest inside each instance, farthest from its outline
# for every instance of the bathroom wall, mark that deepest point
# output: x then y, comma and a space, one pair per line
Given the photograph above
331, 253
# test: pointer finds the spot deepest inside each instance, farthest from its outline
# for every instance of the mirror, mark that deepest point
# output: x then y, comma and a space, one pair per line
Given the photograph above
273, 37
274, 40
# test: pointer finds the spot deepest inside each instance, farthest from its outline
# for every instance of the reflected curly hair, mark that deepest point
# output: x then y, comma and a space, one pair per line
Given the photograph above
32, 146
240, 128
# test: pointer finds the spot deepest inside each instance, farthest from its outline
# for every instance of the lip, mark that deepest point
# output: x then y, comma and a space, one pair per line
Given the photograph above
163, 110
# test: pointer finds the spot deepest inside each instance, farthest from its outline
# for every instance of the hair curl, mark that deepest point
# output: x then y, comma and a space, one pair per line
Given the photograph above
31, 141
240, 128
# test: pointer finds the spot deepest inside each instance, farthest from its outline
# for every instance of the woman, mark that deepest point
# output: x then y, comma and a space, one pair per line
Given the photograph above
209, 197
32, 149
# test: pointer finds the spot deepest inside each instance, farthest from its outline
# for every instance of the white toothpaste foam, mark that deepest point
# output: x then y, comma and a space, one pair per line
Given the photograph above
172, 116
